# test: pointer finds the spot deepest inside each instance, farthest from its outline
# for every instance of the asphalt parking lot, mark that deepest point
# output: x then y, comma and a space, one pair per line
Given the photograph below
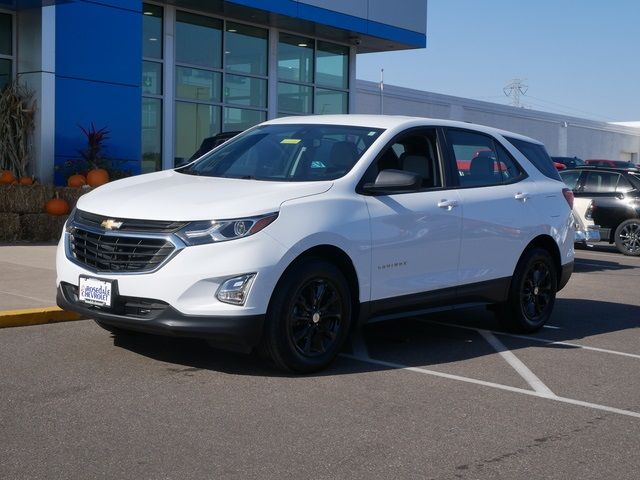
441, 396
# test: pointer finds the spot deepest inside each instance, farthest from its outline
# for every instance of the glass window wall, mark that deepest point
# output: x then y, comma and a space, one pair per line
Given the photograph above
313, 77
6, 49
198, 40
232, 72
332, 65
152, 31
246, 49
194, 123
152, 88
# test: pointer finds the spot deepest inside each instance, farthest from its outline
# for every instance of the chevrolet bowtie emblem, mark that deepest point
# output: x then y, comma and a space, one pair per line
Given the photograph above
110, 224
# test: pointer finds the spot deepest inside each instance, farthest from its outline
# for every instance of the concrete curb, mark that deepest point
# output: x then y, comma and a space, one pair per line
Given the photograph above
35, 316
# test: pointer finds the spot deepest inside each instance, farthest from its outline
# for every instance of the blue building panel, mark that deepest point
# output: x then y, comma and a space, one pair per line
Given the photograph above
98, 75
326, 16
116, 107
99, 42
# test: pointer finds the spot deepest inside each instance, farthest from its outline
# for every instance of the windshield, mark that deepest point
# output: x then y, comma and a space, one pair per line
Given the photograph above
294, 153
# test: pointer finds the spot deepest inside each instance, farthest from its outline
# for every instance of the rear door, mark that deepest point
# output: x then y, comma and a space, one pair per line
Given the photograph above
497, 206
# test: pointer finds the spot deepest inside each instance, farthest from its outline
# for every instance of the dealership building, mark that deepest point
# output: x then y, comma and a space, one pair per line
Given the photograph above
162, 76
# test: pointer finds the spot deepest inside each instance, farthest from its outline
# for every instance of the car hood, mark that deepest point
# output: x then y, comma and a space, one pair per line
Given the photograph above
170, 195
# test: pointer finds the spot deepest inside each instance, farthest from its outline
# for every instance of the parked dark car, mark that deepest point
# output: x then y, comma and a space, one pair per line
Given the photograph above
210, 143
610, 163
206, 146
615, 207
568, 162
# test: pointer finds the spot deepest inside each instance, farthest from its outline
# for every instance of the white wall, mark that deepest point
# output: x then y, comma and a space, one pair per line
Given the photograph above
563, 135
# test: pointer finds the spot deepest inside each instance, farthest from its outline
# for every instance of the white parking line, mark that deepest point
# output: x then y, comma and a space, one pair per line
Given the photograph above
48, 302
517, 364
499, 386
536, 339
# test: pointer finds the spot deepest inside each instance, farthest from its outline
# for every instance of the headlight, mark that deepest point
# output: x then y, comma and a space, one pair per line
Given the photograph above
67, 224
211, 231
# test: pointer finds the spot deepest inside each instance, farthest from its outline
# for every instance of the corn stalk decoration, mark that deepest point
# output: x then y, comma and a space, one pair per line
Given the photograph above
17, 121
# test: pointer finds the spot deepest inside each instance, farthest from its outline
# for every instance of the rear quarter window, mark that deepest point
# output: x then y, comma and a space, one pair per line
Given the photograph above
537, 155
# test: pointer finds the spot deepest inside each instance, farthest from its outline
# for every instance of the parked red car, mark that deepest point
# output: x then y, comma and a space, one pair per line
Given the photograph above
610, 163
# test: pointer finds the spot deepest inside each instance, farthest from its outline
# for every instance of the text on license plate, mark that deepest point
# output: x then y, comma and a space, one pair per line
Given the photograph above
94, 291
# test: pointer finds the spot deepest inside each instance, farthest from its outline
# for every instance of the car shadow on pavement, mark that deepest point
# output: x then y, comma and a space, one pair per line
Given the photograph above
428, 340
592, 265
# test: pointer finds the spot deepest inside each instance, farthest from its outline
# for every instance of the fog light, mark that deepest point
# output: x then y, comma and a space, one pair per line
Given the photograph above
236, 289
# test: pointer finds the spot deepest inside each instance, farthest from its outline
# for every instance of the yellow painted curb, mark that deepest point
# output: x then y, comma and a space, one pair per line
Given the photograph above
35, 316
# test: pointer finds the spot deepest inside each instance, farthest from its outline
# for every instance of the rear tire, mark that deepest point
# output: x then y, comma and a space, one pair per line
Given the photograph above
627, 237
309, 317
532, 293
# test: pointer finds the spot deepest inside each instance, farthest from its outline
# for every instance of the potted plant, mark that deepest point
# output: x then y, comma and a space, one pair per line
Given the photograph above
96, 175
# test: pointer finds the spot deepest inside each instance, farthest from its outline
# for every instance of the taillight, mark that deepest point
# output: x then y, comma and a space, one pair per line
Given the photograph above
589, 213
568, 196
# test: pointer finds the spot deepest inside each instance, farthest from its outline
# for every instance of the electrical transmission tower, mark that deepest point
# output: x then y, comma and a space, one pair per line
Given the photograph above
514, 90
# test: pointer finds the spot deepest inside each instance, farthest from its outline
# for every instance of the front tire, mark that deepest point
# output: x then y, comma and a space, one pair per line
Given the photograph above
532, 293
309, 317
627, 237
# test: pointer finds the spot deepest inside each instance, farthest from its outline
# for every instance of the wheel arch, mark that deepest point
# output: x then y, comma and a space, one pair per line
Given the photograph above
547, 243
339, 258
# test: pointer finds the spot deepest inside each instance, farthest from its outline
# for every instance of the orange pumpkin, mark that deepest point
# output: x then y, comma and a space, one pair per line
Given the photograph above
7, 177
76, 181
97, 177
26, 181
57, 206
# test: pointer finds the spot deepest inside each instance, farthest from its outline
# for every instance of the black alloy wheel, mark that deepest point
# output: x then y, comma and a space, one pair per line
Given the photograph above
532, 293
309, 317
315, 318
627, 237
536, 291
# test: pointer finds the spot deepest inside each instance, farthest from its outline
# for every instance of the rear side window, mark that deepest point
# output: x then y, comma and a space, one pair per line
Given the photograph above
570, 178
537, 155
480, 161
602, 182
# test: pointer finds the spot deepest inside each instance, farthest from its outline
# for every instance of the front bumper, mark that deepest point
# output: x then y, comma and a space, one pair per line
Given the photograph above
238, 332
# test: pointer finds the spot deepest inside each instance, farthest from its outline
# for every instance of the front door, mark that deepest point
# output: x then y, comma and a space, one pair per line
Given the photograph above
415, 235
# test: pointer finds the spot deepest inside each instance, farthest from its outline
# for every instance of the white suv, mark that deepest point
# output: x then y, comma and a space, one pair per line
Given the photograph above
299, 229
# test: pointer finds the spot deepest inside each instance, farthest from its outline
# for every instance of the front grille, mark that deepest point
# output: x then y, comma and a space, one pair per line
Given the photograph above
129, 224
110, 253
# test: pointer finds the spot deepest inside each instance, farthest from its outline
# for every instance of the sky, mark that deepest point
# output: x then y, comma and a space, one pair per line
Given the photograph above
578, 58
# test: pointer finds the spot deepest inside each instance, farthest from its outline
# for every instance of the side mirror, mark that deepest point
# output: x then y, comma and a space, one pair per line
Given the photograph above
394, 181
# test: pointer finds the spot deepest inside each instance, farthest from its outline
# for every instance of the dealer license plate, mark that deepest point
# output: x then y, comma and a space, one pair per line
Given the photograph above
95, 291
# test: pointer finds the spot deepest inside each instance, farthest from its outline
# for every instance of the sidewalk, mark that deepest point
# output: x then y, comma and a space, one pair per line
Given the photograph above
28, 286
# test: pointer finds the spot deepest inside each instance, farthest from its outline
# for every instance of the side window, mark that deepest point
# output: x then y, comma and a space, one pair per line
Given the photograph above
509, 169
477, 161
537, 155
601, 182
415, 152
624, 185
570, 179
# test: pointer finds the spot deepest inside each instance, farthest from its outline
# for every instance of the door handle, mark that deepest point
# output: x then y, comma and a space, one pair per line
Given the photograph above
447, 204
521, 196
